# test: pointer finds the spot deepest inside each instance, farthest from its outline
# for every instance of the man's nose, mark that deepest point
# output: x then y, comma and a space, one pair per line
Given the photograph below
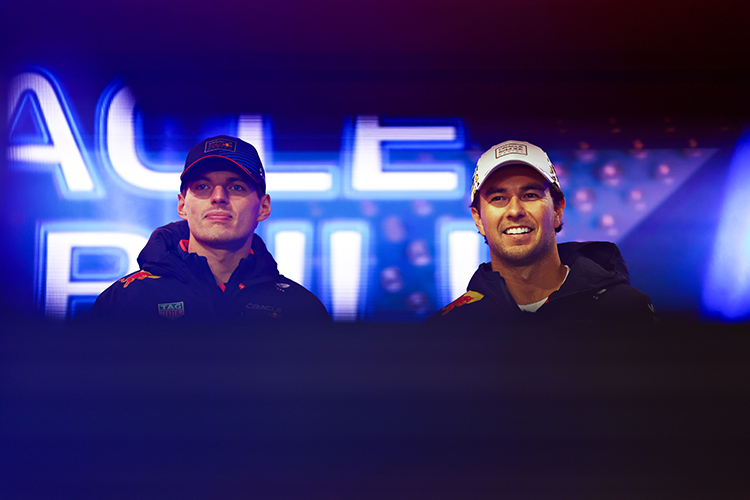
219, 195
515, 208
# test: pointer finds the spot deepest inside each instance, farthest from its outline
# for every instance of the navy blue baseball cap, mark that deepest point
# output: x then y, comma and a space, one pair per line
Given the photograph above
223, 147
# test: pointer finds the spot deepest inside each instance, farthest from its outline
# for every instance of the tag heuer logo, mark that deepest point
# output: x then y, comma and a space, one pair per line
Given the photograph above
172, 310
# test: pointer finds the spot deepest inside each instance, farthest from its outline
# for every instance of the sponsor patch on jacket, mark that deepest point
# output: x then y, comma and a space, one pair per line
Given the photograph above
464, 299
140, 275
172, 310
282, 286
274, 312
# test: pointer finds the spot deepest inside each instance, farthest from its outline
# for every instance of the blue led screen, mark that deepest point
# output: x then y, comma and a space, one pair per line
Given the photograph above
369, 210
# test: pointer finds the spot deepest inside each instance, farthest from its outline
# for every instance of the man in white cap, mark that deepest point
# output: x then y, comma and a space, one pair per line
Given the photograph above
518, 205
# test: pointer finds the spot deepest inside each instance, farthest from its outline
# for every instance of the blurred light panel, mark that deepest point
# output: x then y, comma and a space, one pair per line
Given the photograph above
290, 242
119, 145
461, 249
36, 101
61, 282
373, 176
345, 251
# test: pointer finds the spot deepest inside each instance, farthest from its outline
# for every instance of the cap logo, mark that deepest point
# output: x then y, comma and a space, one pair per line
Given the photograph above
220, 145
508, 149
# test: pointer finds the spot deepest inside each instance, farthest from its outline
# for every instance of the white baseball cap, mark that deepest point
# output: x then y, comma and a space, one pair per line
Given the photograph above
512, 153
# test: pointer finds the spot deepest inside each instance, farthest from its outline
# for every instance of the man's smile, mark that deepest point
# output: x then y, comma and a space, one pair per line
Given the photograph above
517, 230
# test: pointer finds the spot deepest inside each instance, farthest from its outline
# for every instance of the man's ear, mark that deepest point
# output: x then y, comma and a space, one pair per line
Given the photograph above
181, 206
477, 220
265, 208
559, 209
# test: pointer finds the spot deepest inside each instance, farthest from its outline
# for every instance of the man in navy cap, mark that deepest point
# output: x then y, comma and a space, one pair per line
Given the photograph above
212, 267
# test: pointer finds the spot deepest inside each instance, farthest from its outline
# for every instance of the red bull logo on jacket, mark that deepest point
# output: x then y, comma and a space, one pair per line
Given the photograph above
464, 299
140, 275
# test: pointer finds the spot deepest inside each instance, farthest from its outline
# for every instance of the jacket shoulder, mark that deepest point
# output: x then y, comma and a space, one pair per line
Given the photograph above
137, 276
130, 282
604, 254
459, 309
304, 304
123, 293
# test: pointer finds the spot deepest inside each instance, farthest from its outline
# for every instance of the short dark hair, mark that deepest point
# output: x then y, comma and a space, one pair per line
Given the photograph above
554, 191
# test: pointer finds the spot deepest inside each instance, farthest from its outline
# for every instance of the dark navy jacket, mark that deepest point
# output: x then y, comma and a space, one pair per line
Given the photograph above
174, 286
597, 292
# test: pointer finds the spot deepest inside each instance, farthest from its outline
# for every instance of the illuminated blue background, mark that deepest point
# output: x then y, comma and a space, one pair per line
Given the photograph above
647, 140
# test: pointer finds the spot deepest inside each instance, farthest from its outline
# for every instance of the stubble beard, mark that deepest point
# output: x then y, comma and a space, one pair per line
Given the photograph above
219, 236
524, 255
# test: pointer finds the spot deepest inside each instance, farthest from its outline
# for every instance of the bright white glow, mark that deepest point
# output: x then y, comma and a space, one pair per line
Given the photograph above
64, 150
58, 284
463, 258
367, 161
250, 130
726, 292
280, 178
289, 252
123, 152
346, 270
298, 181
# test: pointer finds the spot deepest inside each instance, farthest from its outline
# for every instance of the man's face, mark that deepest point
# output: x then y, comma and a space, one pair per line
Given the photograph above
222, 209
517, 216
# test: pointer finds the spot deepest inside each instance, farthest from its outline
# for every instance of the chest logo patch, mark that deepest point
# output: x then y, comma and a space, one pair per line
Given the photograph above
140, 275
274, 312
464, 299
172, 310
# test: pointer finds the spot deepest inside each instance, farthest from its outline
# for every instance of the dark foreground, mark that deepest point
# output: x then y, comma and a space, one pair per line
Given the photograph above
375, 412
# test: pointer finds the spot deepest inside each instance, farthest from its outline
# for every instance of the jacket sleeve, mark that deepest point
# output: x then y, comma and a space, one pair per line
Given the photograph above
107, 305
305, 306
634, 306
313, 310
646, 312
120, 303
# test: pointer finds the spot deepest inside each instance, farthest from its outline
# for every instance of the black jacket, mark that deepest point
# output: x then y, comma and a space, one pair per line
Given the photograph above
597, 292
175, 286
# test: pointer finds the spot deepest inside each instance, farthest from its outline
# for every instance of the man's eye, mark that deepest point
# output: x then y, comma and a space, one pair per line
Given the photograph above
200, 187
237, 187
